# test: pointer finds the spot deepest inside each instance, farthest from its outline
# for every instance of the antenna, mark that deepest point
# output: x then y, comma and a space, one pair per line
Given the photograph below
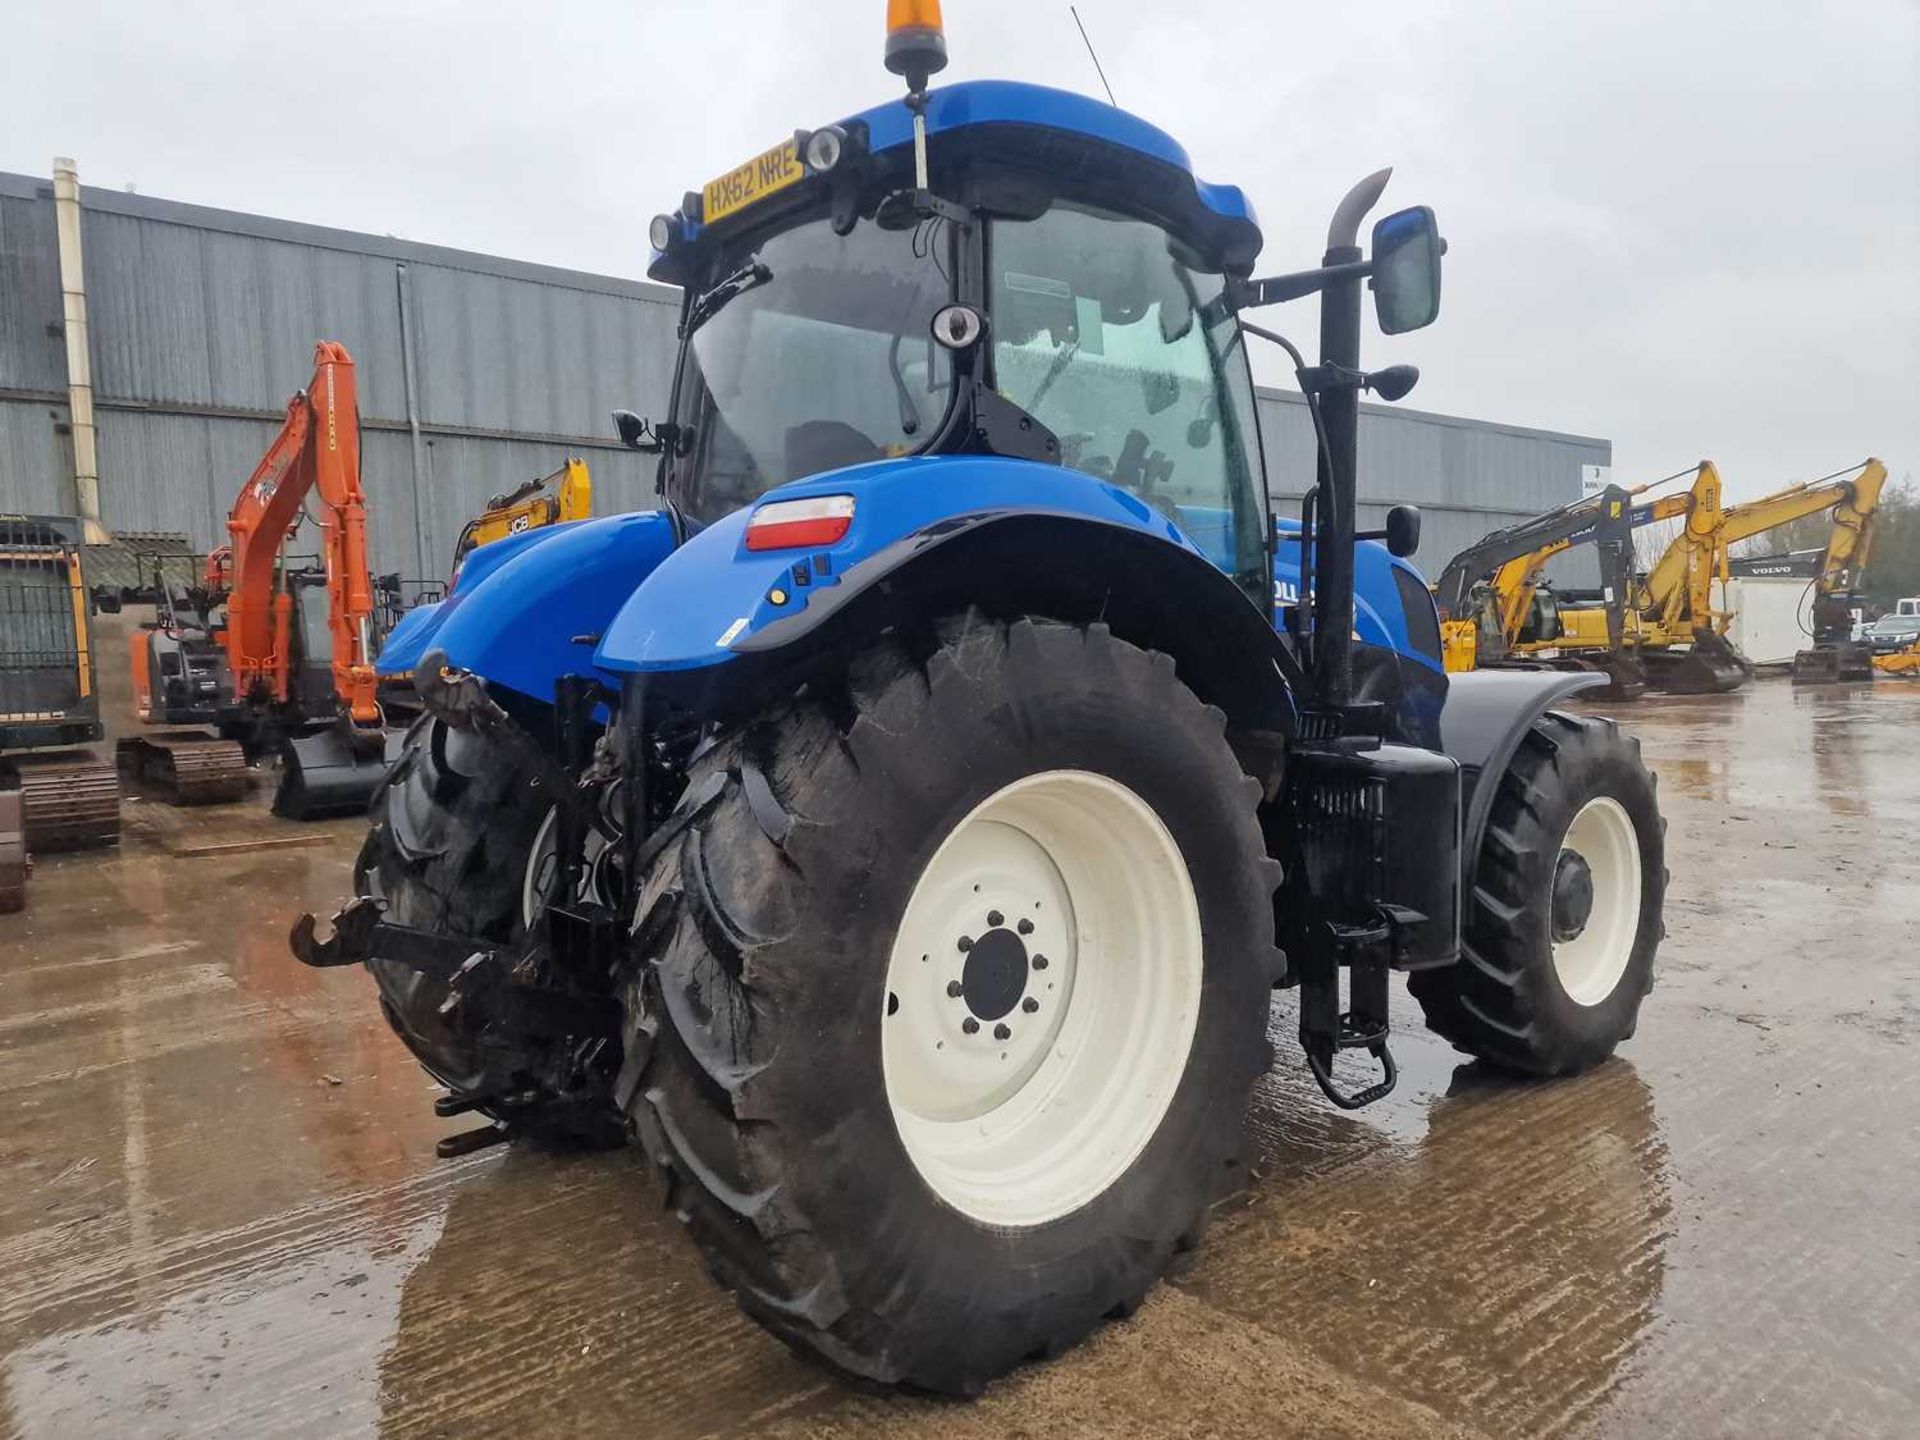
1074, 11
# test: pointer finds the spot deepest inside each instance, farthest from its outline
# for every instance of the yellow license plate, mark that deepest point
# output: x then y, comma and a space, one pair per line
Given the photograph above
753, 181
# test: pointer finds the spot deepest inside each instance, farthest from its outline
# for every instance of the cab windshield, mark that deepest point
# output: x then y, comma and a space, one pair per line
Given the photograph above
1109, 331
809, 351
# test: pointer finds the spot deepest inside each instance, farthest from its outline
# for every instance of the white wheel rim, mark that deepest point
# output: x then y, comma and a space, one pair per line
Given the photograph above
1043, 1105
1591, 963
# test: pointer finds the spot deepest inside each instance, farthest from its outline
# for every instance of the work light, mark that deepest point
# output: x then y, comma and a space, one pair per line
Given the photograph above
825, 147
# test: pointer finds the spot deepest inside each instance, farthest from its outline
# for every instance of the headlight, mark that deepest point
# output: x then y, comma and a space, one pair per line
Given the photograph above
825, 147
661, 231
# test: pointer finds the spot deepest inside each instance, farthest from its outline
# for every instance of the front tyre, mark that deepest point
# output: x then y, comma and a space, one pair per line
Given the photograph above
1558, 947
463, 844
958, 989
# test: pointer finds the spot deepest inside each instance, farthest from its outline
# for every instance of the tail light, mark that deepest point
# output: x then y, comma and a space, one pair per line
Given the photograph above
800, 524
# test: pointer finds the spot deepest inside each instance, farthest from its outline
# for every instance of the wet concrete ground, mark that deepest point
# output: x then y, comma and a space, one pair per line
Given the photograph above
220, 1213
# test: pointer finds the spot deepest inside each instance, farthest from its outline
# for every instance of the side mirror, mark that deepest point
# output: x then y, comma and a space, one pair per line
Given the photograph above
1406, 270
1402, 531
631, 429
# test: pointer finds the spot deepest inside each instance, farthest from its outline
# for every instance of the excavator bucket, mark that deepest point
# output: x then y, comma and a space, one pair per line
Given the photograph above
1856, 663
333, 771
1818, 666
1626, 676
1711, 666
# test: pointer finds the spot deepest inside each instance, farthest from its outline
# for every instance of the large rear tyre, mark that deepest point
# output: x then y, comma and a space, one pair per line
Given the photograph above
1564, 919
461, 844
959, 983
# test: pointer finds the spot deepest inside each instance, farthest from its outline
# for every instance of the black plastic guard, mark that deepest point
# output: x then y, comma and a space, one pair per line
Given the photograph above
1486, 714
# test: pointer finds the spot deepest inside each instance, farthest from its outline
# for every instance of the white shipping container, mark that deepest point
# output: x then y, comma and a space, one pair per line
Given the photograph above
1767, 616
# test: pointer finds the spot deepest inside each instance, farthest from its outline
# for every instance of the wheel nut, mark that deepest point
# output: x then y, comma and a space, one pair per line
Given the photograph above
1025, 927
966, 943
994, 917
970, 1025
1039, 962
1001, 1032
1029, 1004
955, 989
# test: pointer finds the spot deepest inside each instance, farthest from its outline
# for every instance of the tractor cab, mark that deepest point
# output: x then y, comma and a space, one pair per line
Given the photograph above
1059, 294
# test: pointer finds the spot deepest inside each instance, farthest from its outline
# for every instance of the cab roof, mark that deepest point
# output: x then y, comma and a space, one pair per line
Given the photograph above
1010, 102
1081, 129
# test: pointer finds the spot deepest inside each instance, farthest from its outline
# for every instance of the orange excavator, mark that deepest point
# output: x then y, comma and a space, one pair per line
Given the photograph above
283, 669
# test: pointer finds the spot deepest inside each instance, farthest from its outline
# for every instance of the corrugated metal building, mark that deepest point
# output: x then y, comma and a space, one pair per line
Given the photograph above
475, 374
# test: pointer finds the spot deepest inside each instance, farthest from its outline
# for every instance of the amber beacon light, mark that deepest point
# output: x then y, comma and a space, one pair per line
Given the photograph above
916, 44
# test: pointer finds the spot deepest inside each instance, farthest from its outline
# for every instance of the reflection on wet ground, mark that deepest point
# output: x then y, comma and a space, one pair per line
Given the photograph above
220, 1214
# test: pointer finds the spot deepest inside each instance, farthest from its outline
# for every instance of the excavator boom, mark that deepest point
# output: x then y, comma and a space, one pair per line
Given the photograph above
317, 452
1508, 562
1678, 589
325, 722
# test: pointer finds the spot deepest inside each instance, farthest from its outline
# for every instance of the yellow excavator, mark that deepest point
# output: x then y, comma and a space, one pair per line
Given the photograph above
1835, 654
1678, 591
530, 508
1661, 629
1667, 629
1496, 609
1672, 622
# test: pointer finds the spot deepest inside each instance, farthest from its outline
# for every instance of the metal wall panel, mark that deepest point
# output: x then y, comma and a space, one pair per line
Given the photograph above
36, 459
1467, 476
203, 322
32, 357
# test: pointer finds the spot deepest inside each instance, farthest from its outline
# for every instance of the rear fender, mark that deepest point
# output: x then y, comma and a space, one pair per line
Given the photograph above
530, 608
936, 534
1485, 716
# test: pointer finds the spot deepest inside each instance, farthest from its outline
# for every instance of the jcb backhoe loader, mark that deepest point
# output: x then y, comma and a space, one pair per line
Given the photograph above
530, 508
298, 668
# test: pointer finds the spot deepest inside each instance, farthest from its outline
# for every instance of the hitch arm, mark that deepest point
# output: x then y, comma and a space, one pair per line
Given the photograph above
359, 933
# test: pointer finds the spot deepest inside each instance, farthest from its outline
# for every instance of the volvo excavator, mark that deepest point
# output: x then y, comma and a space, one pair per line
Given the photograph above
288, 666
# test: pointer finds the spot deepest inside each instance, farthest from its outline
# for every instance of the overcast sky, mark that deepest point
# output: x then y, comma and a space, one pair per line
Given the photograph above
1693, 228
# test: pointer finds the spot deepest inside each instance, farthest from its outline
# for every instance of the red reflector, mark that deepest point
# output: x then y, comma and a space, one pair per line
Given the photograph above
795, 524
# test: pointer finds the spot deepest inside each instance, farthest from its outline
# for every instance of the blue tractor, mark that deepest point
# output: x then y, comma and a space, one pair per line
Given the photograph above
902, 830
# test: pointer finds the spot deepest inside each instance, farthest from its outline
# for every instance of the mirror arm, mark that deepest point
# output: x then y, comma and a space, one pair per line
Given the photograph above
1274, 289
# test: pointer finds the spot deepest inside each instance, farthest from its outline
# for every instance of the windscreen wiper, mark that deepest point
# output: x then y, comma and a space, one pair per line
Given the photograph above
749, 276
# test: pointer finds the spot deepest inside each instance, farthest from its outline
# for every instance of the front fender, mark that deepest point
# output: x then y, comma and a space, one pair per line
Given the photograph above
529, 608
1481, 724
714, 600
